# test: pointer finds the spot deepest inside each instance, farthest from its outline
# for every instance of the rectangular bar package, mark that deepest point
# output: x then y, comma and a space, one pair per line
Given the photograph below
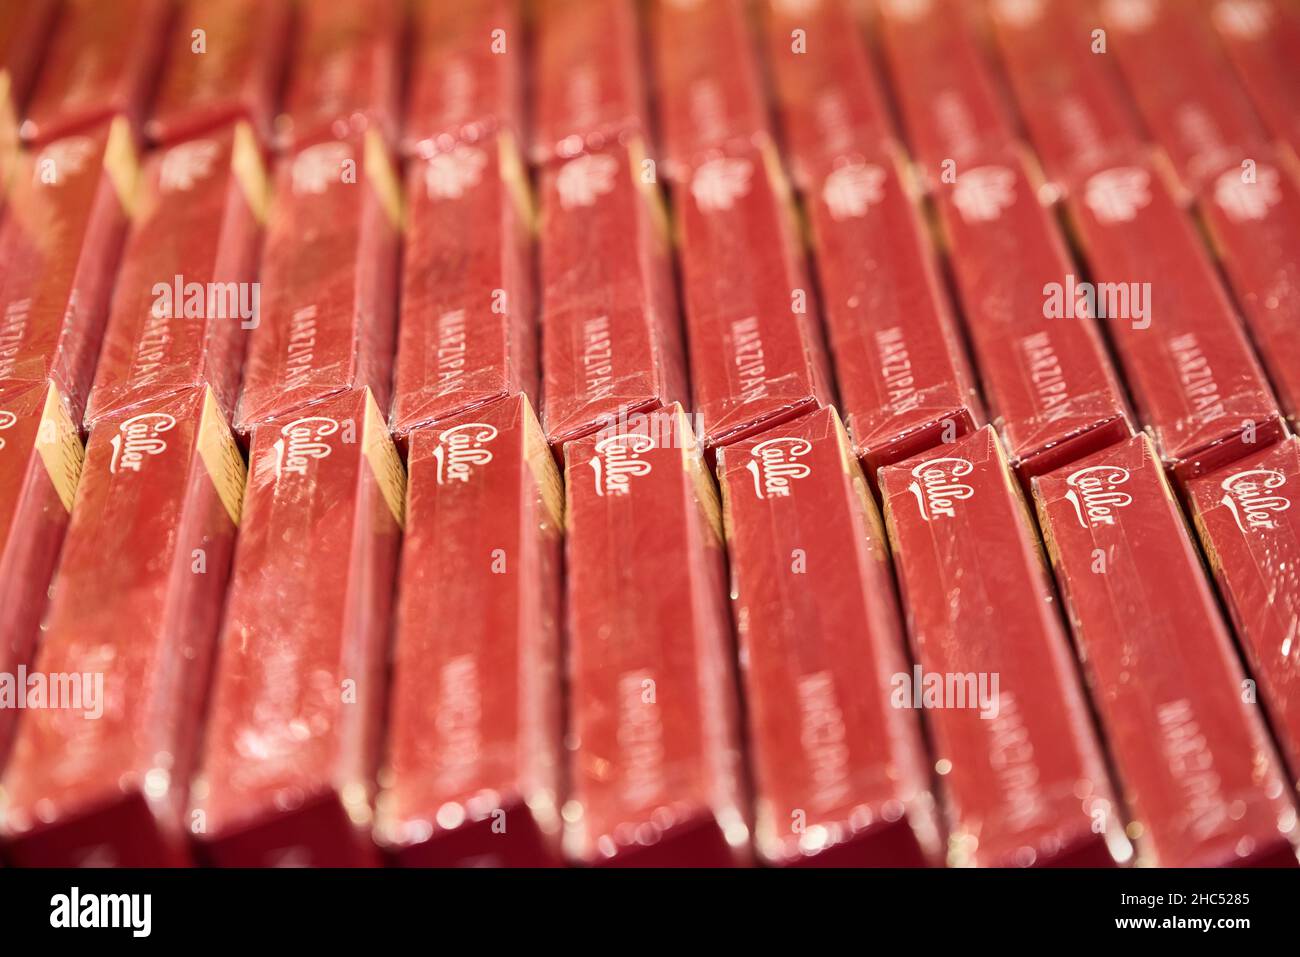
293, 733
101, 764
1200, 777
1262, 39
1022, 776
841, 775
474, 758
655, 763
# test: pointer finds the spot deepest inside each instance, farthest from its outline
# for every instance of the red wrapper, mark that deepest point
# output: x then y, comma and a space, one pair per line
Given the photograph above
40, 463
59, 248
1251, 534
466, 334
232, 71
611, 335
101, 62
590, 93
474, 762
1023, 776
344, 72
751, 317
655, 770
1195, 380
465, 83
186, 295
24, 29
1200, 776
293, 737
102, 780
1262, 39
330, 274
841, 776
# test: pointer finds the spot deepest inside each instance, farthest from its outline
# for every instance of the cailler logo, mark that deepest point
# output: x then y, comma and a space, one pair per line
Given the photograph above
1118, 195
138, 437
1244, 202
775, 466
461, 449
1018, 13
7, 421
981, 194
1243, 19
617, 461
184, 165
853, 189
584, 180
451, 174
936, 487
718, 183
66, 157
1093, 494
1130, 15
316, 167
1252, 499
300, 442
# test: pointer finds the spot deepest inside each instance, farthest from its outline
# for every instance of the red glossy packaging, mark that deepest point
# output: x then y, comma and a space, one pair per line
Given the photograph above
24, 30
294, 731
473, 771
99, 775
186, 295
655, 763
1022, 776
841, 776
466, 331
1249, 526
344, 78
590, 92
465, 82
1262, 39
329, 269
224, 62
1201, 779
611, 340
59, 247
101, 62
40, 464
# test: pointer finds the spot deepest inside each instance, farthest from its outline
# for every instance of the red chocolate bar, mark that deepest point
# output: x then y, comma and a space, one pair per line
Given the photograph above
101, 765
1251, 534
611, 340
1195, 380
101, 63
465, 83
40, 464
344, 72
24, 29
1200, 776
293, 737
1022, 775
330, 274
841, 776
59, 248
1262, 39
466, 334
186, 295
224, 62
655, 769
474, 758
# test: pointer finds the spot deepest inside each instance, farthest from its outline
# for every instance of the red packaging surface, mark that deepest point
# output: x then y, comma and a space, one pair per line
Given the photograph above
466, 333
224, 61
1022, 775
343, 73
186, 294
474, 763
101, 62
1251, 534
24, 29
611, 335
1195, 380
655, 773
590, 94
1262, 39
40, 463
99, 774
293, 736
59, 246
465, 80
330, 274
841, 776
1200, 776
751, 317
